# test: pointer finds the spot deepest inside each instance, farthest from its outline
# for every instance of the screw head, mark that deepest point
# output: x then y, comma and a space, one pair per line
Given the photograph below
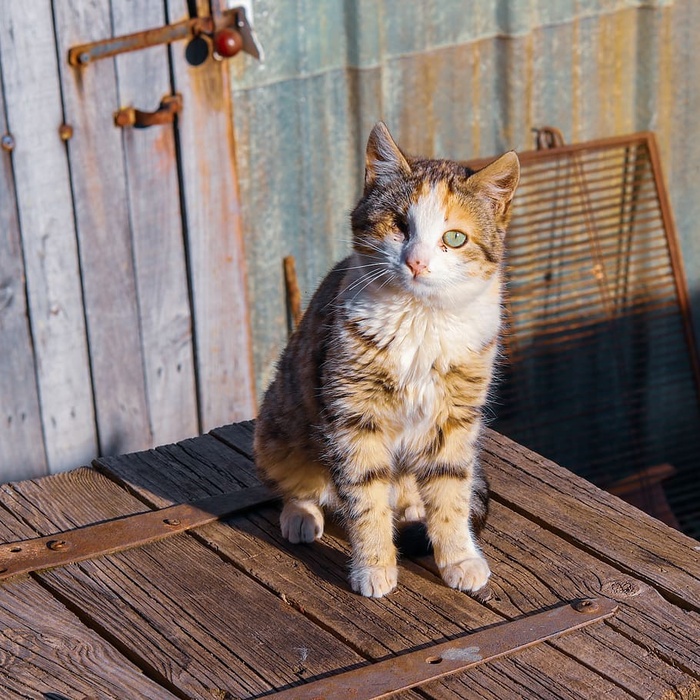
65, 131
57, 545
587, 605
84, 58
173, 522
7, 142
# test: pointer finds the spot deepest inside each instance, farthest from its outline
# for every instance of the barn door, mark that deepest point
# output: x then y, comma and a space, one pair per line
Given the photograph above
123, 307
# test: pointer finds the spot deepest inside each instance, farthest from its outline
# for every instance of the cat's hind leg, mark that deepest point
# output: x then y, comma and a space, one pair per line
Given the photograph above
305, 486
407, 502
303, 482
301, 521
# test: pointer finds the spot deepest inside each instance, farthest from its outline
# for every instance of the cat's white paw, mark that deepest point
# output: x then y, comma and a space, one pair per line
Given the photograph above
374, 581
413, 514
301, 521
467, 575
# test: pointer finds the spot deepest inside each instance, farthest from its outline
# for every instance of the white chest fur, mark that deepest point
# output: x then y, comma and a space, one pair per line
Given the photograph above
423, 342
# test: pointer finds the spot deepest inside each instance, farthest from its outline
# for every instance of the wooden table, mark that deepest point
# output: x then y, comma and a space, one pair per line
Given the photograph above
230, 610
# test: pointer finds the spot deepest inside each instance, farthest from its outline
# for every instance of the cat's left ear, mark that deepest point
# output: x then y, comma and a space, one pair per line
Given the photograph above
383, 158
497, 182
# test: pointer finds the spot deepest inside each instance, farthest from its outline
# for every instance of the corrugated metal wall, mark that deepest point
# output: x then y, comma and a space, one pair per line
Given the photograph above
452, 78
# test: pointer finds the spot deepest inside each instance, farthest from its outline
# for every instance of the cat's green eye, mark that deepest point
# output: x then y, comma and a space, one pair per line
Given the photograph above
454, 239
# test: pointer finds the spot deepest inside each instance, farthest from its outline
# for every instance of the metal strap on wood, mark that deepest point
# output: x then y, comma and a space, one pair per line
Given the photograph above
384, 678
123, 533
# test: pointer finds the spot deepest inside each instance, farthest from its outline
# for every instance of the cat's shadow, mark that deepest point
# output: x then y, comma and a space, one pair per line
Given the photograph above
328, 559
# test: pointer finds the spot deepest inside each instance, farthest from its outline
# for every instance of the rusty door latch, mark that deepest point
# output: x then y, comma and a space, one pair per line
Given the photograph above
227, 31
170, 105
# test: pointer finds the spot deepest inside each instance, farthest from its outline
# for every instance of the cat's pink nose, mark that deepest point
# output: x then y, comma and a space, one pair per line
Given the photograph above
416, 266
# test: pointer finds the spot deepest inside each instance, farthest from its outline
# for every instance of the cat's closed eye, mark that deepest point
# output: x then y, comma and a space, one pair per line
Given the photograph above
401, 226
454, 239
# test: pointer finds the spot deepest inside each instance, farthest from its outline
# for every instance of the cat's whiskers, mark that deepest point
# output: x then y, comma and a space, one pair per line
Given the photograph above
374, 279
362, 267
362, 279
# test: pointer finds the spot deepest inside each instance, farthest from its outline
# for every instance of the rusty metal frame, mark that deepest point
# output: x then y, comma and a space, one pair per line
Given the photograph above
116, 535
648, 140
385, 678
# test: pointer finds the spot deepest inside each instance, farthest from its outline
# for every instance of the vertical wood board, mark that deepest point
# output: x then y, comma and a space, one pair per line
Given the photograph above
101, 207
48, 234
21, 439
156, 225
214, 238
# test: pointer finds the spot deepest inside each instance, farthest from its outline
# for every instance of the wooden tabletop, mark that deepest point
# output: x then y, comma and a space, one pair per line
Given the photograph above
230, 610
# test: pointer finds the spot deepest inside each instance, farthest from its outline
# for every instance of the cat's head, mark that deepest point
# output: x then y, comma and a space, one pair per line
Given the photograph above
433, 227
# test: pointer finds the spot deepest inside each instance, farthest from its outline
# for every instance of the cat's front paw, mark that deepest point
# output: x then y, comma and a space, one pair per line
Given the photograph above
468, 575
374, 581
301, 521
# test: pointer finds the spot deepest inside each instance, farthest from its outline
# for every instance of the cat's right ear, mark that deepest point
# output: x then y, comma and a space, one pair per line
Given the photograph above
383, 158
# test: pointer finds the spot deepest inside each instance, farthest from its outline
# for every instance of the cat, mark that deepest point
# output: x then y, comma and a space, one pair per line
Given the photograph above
376, 406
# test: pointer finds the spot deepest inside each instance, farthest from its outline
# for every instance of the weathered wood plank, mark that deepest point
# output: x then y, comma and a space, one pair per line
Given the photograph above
649, 647
191, 620
21, 441
214, 238
313, 579
535, 568
599, 522
98, 178
552, 496
154, 208
55, 304
47, 652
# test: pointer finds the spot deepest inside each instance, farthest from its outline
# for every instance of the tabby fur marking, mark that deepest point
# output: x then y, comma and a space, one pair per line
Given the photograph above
376, 407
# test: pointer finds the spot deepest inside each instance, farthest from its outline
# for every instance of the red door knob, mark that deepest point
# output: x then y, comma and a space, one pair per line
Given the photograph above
227, 42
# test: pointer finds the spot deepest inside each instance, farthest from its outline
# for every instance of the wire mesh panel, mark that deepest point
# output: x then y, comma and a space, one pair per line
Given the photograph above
601, 370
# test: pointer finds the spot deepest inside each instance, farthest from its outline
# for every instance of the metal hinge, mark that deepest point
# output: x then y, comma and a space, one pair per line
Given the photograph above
385, 678
224, 32
123, 533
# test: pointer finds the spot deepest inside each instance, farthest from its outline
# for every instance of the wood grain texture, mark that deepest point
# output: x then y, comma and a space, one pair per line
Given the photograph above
188, 618
54, 304
21, 439
46, 652
98, 179
314, 579
143, 79
648, 649
214, 238
594, 520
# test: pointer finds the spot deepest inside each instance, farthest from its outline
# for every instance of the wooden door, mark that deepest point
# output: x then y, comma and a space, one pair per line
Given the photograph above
123, 308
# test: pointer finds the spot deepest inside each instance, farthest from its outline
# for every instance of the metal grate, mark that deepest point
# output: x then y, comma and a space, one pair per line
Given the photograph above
602, 372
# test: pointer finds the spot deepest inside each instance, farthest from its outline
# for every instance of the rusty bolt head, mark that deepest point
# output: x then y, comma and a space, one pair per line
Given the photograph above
7, 142
84, 58
586, 605
65, 131
57, 545
173, 522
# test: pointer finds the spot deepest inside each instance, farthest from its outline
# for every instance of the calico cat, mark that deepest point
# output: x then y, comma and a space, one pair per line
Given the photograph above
376, 407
